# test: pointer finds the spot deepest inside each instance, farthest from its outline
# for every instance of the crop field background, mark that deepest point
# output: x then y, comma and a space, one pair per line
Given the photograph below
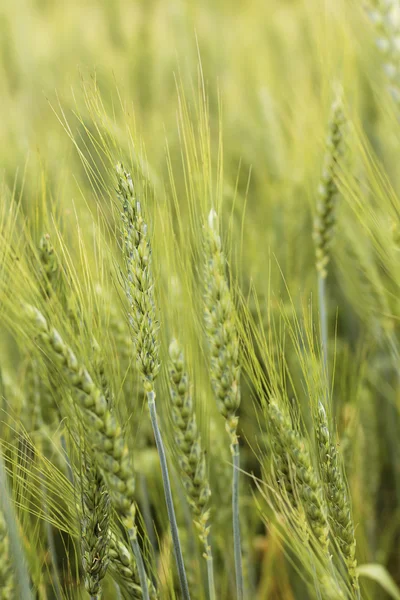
200, 299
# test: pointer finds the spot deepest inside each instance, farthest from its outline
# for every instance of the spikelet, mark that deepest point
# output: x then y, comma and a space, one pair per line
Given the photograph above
305, 480
328, 193
95, 528
49, 266
33, 398
187, 438
138, 280
7, 579
101, 425
339, 511
220, 325
124, 570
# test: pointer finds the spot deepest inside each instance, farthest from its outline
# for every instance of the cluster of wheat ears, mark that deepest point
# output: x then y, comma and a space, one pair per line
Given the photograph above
166, 430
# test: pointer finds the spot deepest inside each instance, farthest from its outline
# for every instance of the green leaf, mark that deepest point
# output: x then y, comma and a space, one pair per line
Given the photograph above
379, 574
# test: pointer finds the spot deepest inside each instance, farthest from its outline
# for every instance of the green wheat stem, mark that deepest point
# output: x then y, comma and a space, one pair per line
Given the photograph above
236, 521
132, 534
146, 511
210, 571
323, 316
168, 496
16, 550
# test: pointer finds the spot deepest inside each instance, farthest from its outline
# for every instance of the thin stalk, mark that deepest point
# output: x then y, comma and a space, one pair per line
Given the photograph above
16, 550
139, 562
323, 315
168, 496
236, 521
52, 549
64, 449
146, 511
210, 571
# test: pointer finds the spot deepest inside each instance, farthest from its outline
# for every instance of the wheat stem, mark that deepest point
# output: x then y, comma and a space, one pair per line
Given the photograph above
132, 533
323, 315
236, 521
168, 496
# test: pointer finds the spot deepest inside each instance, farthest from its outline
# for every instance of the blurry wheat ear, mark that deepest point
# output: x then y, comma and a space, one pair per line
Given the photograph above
95, 528
223, 344
190, 454
325, 216
101, 427
339, 510
139, 290
383, 17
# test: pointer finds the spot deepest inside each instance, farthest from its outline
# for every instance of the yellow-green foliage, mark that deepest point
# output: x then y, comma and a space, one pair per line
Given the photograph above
224, 108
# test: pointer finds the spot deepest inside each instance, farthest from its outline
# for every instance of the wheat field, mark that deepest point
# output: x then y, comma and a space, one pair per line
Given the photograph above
200, 299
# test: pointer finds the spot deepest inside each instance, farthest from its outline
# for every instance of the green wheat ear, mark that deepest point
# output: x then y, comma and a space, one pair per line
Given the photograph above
139, 289
102, 428
328, 193
339, 510
306, 485
139, 281
124, 569
223, 344
220, 326
95, 528
191, 456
